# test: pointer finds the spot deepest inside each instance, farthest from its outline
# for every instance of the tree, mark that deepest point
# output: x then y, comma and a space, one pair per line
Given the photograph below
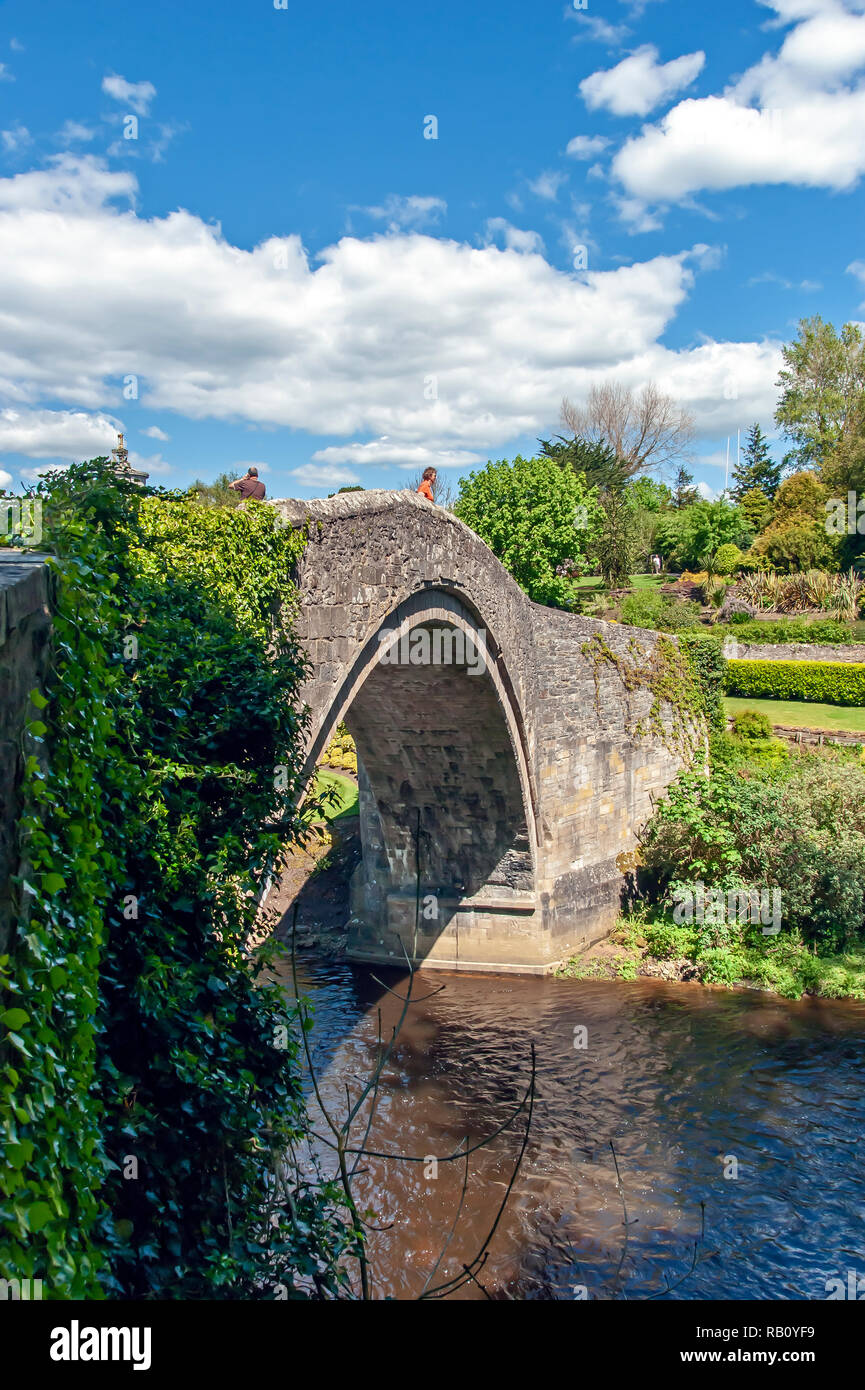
691, 537
684, 495
218, 493
756, 508
797, 537
538, 518
822, 389
756, 468
644, 430
616, 543
596, 461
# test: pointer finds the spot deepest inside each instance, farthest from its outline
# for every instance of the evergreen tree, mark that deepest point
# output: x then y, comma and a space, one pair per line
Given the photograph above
756, 467
684, 494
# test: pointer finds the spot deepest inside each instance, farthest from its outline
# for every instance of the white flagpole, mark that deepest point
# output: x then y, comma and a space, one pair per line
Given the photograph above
727, 466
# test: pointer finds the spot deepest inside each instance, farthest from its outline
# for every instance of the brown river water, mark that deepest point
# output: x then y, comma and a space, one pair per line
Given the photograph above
687, 1084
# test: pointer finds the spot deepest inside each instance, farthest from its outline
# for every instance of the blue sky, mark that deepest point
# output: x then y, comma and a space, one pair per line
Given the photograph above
280, 268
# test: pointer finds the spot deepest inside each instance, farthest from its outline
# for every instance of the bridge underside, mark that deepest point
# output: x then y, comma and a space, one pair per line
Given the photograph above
447, 870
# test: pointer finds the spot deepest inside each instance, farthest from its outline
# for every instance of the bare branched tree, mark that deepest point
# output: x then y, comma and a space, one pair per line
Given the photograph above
647, 429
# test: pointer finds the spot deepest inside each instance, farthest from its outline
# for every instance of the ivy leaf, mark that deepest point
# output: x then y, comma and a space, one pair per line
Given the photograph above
38, 1215
38, 699
14, 1019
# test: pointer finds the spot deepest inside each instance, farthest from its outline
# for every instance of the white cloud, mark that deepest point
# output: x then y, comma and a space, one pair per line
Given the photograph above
636, 214
514, 238
547, 185
5, 478
308, 475
410, 213
5, 74
75, 132
596, 30
344, 345
17, 138
640, 83
790, 119
64, 434
68, 185
586, 146
707, 493
154, 432
385, 452
149, 463
138, 95
244, 464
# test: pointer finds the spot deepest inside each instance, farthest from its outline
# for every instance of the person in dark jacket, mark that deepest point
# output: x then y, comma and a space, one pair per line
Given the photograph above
250, 486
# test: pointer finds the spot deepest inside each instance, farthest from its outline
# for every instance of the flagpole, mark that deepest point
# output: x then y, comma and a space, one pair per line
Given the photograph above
727, 466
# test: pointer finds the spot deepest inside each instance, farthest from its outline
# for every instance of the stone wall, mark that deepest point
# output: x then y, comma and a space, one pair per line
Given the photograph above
25, 624
793, 651
523, 788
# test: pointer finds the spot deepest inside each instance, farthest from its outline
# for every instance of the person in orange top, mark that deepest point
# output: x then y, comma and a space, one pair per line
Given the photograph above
427, 483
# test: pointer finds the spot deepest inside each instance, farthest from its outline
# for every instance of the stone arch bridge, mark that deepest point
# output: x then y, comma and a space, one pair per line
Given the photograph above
505, 765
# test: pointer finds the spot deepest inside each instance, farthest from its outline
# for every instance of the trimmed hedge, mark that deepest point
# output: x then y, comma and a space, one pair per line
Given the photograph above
824, 682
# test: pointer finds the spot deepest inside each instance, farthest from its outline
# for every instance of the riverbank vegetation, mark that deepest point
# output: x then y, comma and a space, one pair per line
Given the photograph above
150, 1084
789, 825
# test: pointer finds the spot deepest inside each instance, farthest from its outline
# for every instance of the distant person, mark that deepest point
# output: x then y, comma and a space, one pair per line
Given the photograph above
656, 564
427, 483
250, 486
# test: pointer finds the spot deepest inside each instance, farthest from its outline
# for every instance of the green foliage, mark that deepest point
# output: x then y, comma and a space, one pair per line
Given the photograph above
756, 508
174, 756
538, 518
826, 682
650, 609
690, 538
797, 538
822, 389
756, 469
708, 665
820, 632
797, 825
728, 558
648, 494
684, 494
218, 493
750, 724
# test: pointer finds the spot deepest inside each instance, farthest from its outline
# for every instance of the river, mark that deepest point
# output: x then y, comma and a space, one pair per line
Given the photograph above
746, 1103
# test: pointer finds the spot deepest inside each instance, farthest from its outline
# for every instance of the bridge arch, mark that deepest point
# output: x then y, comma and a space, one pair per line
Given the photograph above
529, 782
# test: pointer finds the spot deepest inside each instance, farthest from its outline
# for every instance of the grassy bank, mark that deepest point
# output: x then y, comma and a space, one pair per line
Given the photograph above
784, 965
802, 714
340, 793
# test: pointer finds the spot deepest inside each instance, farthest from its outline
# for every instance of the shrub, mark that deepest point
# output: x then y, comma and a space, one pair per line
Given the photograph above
826, 682
728, 559
647, 608
750, 724
798, 827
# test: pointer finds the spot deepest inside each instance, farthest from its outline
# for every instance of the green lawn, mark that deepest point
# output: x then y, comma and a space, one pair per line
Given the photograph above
638, 581
345, 801
802, 714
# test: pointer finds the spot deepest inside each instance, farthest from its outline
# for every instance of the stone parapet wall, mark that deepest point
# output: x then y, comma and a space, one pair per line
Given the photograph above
25, 624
